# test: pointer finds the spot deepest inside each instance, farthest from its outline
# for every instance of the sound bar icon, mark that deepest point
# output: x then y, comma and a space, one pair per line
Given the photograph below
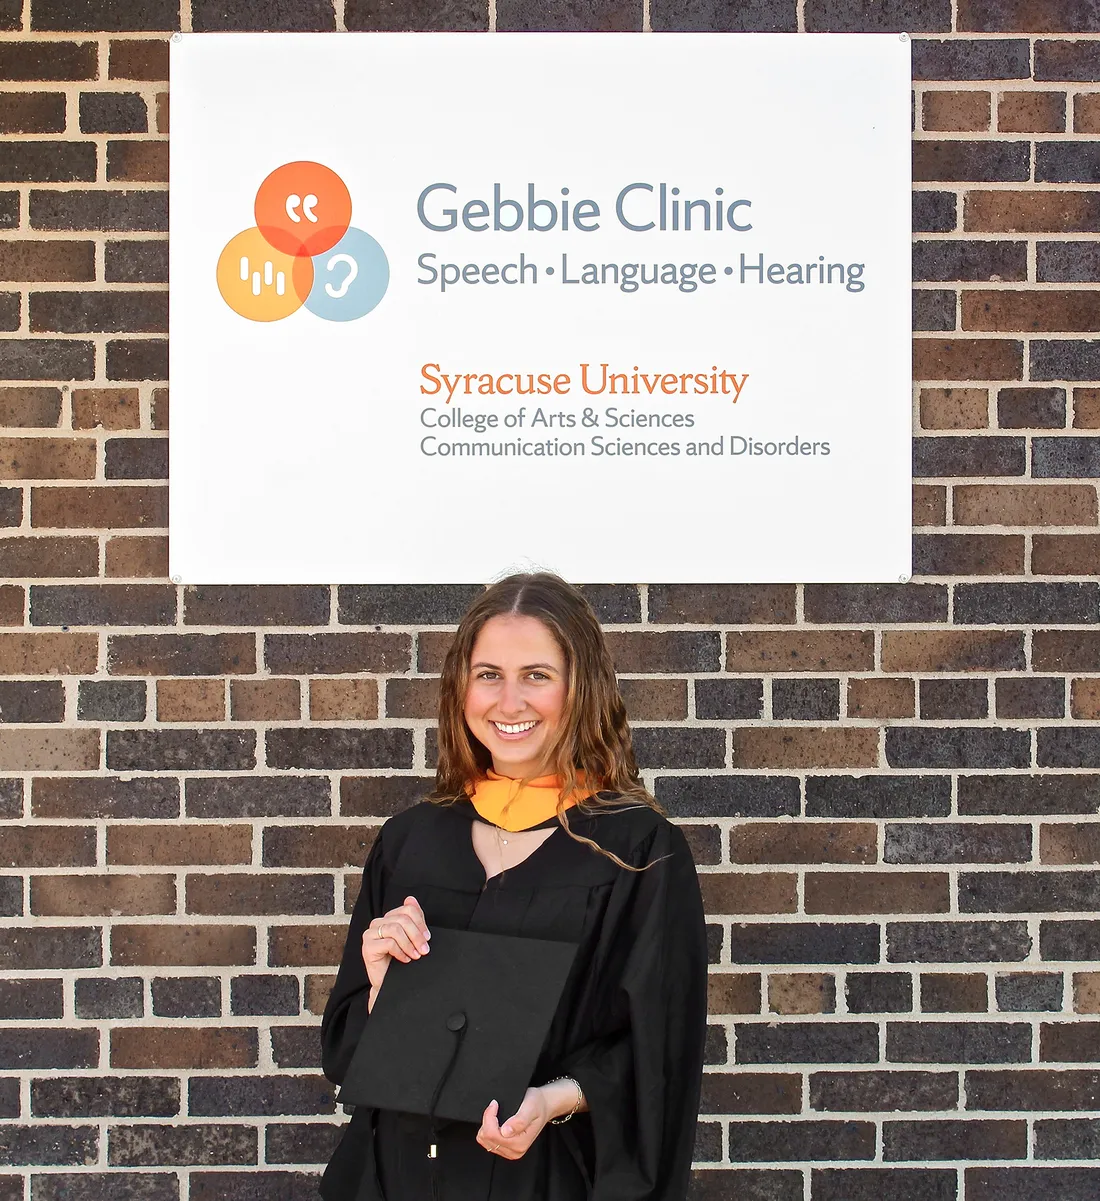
270, 275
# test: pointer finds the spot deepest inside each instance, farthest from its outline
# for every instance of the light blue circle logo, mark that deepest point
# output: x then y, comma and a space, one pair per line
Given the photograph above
350, 279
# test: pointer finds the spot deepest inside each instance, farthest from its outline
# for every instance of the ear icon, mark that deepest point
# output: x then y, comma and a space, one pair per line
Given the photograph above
342, 260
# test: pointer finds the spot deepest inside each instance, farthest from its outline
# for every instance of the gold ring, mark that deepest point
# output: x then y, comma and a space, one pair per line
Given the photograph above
378, 931
495, 1148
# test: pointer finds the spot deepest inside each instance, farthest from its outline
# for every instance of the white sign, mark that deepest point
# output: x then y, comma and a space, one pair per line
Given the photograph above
629, 307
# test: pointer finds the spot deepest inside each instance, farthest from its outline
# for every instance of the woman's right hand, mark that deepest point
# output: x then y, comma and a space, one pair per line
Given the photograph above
402, 933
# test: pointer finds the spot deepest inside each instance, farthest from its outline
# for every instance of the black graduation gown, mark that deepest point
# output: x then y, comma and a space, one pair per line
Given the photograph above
629, 1028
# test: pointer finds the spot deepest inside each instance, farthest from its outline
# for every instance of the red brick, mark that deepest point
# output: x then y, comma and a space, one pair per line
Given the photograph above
48, 459
102, 507
194, 1047
164, 945
797, 747
839, 650
1025, 504
106, 408
102, 895
967, 358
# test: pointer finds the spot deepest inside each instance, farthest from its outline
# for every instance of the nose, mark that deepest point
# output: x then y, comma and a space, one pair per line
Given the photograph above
512, 701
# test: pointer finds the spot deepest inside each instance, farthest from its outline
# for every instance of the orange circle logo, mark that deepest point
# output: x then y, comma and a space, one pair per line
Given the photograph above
303, 208
260, 282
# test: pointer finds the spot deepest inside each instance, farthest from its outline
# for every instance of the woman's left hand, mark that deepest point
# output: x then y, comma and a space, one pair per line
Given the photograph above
514, 1138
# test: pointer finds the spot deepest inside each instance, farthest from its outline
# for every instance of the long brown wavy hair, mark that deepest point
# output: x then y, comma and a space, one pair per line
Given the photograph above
593, 736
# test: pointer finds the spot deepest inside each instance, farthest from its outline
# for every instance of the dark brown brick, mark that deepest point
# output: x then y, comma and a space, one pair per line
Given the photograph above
136, 458
48, 654
198, 1047
881, 698
803, 842
29, 61
193, 1145
751, 1093
133, 161
733, 992
1011, 311
48, 557
847, 650
107, 895
793, 747
270, 893
1032, 1090
181, 750
947, 699
134, 262
47, 458
801, 993
745, 892
140, 558
1070, 843
1085, 699
47, 846
29, 1000
952, 650
113, 210
31, 1047
29, 406
105, 797
721, 604
850, 604
405, 604
1031, 697
102, 604
113, 112
979, 456
381, 796
954, 408
339, 748
277, 604
305, 946
672, 652
32, 701
99, 312
265, 700
1066, 650
134, 59
956, 112
929, 504
958, 1042
967, 358
104, 506
1032, 212
954, 992
93, 16
970, 162
1017, 16
48, 162
968, 554
807, 1042
106, 408
1032, 112
336, 653
46, 262
318, 846
173, 945
1069, 1042
1031, 408
12, 599
1025, 504
963, 1139
726, 699
349, 700
871, 1091
877, 892
154, 845
181, 654
1086, 406
137, 359
943, 260
957, 842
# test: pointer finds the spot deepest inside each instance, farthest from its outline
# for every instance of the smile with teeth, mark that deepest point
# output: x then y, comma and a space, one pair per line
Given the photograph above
517, 728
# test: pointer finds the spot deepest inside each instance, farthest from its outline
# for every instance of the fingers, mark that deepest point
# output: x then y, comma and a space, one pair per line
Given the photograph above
490, 1131
401, 932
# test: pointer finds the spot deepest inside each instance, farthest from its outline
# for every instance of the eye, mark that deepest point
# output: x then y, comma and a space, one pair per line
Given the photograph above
539, 675
486, 675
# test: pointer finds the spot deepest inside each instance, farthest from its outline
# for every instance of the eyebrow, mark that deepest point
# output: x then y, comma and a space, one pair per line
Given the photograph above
526, 667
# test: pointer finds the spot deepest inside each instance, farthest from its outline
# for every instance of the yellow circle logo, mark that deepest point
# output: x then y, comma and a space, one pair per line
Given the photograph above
262, 283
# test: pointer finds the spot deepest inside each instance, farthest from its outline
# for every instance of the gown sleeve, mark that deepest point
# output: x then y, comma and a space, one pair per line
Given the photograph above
345, 1013
642, 1083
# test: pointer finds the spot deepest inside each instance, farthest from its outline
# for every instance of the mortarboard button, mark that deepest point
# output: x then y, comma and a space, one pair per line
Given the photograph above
456, 1021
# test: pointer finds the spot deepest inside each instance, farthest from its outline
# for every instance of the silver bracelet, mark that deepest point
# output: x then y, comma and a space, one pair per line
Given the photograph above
576, 1104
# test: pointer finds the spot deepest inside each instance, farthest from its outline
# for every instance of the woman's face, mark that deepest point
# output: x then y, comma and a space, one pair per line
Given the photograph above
516, 693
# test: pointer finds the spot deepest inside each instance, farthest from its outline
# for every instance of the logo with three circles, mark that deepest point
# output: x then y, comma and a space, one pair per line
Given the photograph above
303, 251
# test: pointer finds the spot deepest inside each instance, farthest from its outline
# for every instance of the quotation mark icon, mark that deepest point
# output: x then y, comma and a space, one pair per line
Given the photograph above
303, 251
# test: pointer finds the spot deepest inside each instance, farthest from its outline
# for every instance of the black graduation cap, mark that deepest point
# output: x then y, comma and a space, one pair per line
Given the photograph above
462, 1025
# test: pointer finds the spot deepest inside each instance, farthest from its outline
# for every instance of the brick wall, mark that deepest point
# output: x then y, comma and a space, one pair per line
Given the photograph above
892, 791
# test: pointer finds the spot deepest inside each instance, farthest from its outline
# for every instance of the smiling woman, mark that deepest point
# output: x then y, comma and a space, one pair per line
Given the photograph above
538, 827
